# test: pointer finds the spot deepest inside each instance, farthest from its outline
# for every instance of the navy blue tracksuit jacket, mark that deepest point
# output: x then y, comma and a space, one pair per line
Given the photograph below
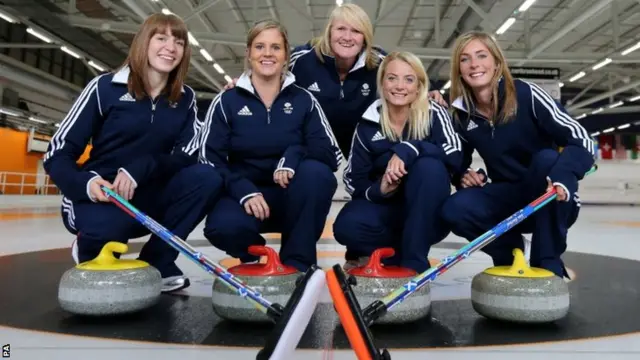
371, 151
145, 138
342, 102
247, 142
540, 123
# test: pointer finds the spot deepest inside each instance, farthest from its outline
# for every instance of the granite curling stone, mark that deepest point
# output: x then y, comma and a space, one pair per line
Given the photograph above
108, 286
271, 279
374, 281
520, 293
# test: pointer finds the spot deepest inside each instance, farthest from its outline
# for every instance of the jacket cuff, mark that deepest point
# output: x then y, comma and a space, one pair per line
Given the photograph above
406, 151
563, 186
374, 194
247, 197
88, 186
242, 190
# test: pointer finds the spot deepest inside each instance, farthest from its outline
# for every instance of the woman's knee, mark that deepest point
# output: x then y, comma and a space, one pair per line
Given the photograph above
317, 174
453, 209
201, 177
347, 224
429, 170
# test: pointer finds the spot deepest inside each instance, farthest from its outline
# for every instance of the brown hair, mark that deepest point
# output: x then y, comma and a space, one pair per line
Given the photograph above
138, 60
261, 26
460, 89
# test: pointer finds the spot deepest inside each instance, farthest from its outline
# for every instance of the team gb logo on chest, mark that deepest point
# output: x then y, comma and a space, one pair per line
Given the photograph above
365, 89
288, 108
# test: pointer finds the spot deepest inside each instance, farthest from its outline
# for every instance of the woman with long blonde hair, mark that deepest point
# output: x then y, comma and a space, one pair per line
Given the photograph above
142, 121
517, 128
398, 171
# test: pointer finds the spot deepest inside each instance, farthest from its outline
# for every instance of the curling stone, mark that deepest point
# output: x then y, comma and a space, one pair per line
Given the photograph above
109, 286
375, 281
519, 293
273, 280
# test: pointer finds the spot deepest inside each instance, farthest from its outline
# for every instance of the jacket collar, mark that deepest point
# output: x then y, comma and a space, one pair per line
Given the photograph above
373, 112
244, 81
459, 103
122, 76
359, 64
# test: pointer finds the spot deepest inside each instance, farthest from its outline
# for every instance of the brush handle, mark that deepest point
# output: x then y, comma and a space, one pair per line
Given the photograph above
415, 284
180, 245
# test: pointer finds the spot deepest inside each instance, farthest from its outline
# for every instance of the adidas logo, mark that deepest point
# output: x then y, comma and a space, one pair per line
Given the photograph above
245, 111
472, 125
377, 137
127, 97
314, 87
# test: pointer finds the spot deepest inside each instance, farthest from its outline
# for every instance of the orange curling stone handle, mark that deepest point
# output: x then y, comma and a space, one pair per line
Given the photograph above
374, 267
272, 266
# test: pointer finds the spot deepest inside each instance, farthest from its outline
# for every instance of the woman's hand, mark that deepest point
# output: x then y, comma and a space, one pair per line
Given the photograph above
282, 177
437, 97
472, 178
257, 207
95, 189
561, 195
387, 187
395, 169
124, 186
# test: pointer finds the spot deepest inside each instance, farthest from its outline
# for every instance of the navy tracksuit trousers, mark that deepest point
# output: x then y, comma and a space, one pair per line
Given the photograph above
298, 212
178, 203
408, 221
471, 212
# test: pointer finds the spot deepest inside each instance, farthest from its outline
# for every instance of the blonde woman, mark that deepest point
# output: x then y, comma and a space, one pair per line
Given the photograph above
398, 169
277, 155
340, 68
516, 127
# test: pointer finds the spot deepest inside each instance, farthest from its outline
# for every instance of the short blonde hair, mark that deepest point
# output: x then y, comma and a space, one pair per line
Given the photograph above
261, 26
419, 121
355, 16
460, 89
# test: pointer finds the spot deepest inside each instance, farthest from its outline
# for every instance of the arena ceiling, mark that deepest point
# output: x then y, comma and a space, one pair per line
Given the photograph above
587, 40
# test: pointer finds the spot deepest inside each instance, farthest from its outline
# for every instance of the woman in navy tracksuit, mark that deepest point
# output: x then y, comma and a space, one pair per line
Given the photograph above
516, 127
144, 131
340, 69
277, 154
398, 171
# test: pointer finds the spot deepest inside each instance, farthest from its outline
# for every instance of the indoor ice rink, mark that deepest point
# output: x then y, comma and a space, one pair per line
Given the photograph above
583, 53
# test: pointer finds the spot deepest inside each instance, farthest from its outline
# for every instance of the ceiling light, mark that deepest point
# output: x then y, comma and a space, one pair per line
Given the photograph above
577, 76
601, 64
7, 17
507, 24
631, 49
39, 35
70, 52
526, 5
95, 65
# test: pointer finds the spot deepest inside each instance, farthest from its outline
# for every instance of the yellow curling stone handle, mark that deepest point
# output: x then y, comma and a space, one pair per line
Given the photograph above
106, 261
519, 268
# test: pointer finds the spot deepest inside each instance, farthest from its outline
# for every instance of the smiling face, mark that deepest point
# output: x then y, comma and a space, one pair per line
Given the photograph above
267, 54
346, 41
165, 52
477, 65
400, 85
